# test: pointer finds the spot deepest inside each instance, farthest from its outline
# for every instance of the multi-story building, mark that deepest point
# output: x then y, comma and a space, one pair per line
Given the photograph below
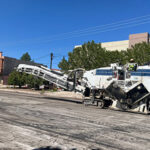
138, 38
125, 44
116, 45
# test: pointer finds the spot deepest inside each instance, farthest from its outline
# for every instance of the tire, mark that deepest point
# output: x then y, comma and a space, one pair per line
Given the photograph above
101, 104
124, 106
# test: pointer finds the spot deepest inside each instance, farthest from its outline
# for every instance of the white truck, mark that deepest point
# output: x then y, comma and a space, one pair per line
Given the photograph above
121, 87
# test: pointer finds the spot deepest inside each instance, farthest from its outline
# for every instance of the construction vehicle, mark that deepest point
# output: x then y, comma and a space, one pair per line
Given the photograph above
120, 87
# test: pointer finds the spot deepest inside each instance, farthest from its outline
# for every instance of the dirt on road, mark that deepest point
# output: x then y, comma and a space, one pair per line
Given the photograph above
30, 121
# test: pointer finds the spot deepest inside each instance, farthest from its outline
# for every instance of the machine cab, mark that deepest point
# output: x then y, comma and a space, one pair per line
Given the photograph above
123, 72
132, 66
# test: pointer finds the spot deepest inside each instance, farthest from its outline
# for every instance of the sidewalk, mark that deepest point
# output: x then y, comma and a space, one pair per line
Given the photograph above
62, 94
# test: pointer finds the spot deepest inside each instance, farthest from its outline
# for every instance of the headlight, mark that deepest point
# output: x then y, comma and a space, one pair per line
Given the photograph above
139, 87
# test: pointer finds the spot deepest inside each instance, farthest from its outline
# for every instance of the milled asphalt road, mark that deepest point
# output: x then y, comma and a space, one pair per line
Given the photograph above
30, 121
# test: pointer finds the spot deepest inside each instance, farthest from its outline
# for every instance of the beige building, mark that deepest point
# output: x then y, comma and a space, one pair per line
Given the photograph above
116, 45
125, 44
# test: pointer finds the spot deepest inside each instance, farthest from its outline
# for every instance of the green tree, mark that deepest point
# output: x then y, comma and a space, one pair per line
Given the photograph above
34, 82
91, 55
26, 57
64, 64
139, 52
17, 78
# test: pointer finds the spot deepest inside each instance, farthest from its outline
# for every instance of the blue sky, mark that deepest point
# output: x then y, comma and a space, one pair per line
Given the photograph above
40, 27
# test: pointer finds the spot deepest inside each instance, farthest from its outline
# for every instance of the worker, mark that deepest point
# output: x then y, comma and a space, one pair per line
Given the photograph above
132, 66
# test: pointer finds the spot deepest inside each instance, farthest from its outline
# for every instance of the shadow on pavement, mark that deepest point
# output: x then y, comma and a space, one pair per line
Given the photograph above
48, 148
57, 148
64, 99
51, 148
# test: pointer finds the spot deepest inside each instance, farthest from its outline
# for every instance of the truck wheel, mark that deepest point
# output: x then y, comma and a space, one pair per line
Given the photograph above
101, 104
124, 106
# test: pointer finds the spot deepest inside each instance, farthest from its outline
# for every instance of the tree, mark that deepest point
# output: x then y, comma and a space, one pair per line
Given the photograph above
26, 57
17, 78
64, 64
34, 82
91, 55
20, 79
140, 53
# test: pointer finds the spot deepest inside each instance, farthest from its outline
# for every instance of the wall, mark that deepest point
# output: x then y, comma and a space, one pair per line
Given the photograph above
138, 38
116, 45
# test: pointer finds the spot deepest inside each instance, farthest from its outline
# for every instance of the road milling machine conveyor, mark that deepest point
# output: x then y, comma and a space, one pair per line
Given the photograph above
120, 87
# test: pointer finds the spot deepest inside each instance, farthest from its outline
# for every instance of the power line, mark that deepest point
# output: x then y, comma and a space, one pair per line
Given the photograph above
41, 57
100, 31
108, 27
57, 57
132, 22
115, 24
135, 18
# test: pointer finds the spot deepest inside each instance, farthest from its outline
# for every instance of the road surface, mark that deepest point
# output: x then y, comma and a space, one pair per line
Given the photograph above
29, 121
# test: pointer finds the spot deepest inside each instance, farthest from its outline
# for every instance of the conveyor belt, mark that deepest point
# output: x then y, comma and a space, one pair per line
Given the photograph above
48, 75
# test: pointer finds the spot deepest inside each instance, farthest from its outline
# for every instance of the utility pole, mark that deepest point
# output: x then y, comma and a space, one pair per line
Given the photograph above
51, 60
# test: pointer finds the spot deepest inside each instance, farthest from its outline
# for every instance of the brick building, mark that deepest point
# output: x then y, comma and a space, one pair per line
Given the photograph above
8, 64
138, 38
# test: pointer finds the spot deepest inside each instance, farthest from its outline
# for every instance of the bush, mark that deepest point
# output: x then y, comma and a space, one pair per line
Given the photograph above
17, 78
20, 79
